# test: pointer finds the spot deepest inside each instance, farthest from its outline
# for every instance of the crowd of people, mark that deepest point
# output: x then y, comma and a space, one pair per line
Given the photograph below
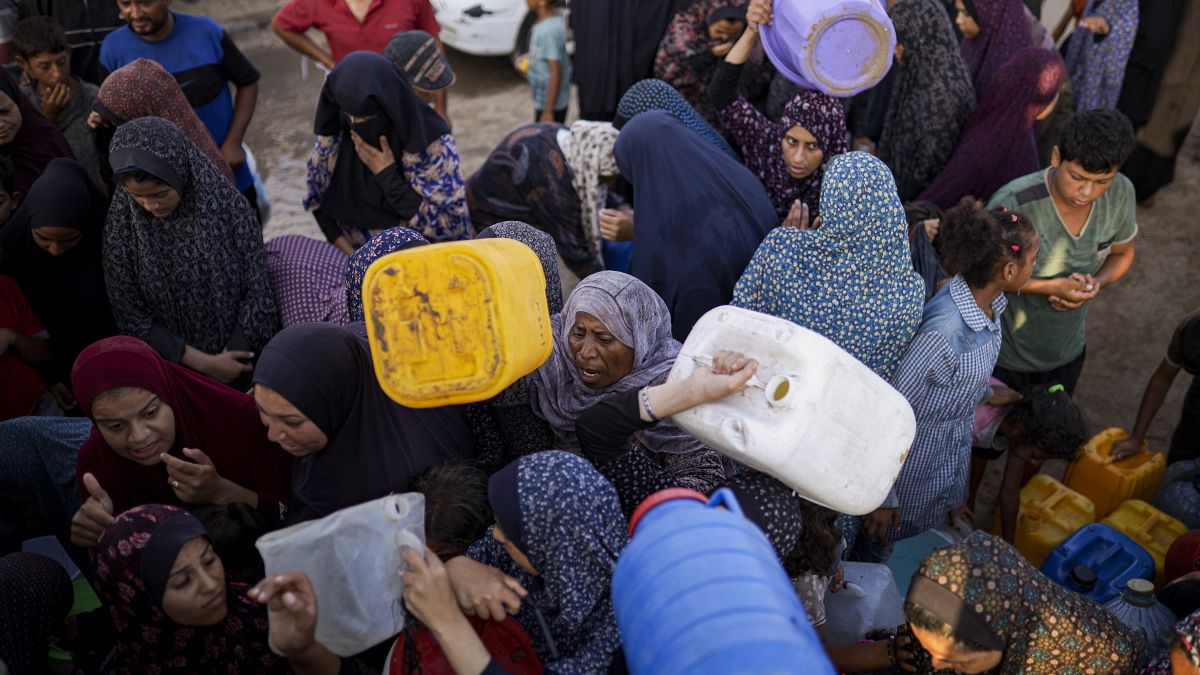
172, 387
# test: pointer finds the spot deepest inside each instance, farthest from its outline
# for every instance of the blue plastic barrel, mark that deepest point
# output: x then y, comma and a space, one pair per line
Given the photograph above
699, 590
1096, 562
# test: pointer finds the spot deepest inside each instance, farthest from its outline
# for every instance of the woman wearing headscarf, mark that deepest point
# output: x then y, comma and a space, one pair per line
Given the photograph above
35, 596
554, 178
700, 215
52, 248
998, 144
183, 255
317, 394
309, 279
26, 136
1184, 650
613, 336
382, 158
650, 95
1152, 165
144, 88
615, 45
993, 32
850, 280
979, 606
932, 97
166, 435
170, 603
695, 41
559, 530
389, 241
1098, 51
788, 156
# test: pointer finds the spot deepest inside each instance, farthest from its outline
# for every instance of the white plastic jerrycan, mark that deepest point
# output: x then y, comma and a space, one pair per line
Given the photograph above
813, 417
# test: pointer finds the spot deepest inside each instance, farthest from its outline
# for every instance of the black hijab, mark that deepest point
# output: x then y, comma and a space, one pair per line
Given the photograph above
376, 446
67, 291
368, 84
37, 142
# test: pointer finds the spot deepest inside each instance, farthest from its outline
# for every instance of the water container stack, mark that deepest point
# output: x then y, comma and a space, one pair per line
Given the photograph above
1097, 561
1141, 613
1179, 494
1108, 482
1050, 512
814, 417
1154, 530
456, 322
699, 589
840, 47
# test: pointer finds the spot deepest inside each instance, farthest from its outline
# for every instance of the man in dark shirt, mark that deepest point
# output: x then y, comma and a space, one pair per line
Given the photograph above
87, 23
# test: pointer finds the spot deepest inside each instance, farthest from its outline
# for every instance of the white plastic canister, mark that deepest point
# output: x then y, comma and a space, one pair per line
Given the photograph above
813, 417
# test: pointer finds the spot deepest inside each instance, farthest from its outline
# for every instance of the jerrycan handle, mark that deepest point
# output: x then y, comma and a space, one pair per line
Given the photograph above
725, 497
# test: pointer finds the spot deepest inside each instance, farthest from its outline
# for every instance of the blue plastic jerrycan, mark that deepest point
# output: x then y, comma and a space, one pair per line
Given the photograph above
1096, 562
699, 590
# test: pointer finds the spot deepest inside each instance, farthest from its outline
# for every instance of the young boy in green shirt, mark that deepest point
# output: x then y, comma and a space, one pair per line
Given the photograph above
1084, 212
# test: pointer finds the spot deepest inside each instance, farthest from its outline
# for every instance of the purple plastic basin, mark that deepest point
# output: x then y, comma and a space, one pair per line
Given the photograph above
840, 47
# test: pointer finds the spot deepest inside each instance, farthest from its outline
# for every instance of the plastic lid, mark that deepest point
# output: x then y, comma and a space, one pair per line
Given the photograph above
1139, 592
1083, 576
661, 497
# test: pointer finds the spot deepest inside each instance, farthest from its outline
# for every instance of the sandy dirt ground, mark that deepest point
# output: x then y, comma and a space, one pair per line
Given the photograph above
1128, 328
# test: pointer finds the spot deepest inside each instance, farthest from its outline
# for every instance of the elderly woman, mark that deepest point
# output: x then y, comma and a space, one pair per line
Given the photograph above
980, 607
614, 335
554, 178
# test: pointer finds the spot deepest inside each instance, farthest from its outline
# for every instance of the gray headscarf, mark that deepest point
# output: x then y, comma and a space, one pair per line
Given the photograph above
639, 319
543, 245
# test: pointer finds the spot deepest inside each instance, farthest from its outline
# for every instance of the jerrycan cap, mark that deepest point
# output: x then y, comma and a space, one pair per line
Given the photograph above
662, 497
1139, 592
1083, 577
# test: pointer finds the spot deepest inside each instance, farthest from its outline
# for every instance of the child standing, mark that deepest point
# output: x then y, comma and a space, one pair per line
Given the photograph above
944, 373
1084, 213
549, 65
1042, 424
45, 59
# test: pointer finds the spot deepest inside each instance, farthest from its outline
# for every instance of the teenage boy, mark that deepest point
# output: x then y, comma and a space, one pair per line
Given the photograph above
47, 81
1084, 212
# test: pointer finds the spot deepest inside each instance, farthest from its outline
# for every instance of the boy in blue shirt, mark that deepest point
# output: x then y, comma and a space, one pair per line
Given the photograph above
204, 60
549, 65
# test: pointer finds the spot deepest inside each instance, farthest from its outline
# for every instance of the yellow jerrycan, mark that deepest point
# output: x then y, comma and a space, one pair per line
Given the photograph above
456, 322
1154, 530
1050, 512
1108, 483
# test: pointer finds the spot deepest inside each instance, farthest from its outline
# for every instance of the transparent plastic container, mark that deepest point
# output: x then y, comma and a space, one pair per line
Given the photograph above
1179, 494
814, 417
456, 322
1141, 613
1106, 482
872, 602
1154, 530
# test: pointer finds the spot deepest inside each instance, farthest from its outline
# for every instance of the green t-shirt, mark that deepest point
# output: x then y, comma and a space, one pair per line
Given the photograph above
1038, 338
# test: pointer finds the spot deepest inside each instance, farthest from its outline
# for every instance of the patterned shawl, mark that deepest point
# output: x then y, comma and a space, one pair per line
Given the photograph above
573, 531
932, 97
638, 318
388, 241
143, 88
1097, 63
649, 95
309, 278
1187, 632
851, 280
197, 277
685, 60
761, 141
590, 156
1044, 628
150, 642
1003, 31
998, 143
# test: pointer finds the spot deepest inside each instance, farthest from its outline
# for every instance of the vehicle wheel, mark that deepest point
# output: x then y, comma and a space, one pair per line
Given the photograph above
521, 48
